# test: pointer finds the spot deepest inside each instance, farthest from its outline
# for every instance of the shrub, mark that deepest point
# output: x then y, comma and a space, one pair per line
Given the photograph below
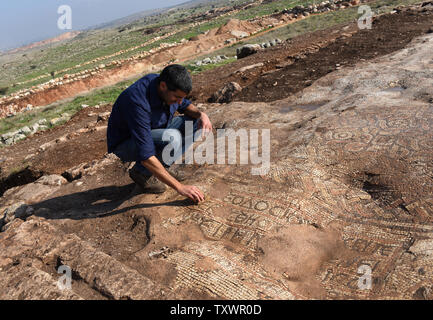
4, 90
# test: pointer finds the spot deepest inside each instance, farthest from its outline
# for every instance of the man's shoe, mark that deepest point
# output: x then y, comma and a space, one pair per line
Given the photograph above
177, 174
148, 184
153, 185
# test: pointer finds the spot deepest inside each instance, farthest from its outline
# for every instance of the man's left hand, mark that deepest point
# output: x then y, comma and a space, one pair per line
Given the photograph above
205, 124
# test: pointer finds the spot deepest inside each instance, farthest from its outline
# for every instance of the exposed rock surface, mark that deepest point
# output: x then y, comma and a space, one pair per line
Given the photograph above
349, 187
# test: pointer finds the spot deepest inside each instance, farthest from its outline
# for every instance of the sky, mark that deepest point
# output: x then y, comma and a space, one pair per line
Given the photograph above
26, 21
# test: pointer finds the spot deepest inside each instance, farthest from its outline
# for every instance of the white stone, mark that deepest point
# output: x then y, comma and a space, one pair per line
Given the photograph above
19, 137
25, 130
52, 180
35, 127
423, 247
239, 34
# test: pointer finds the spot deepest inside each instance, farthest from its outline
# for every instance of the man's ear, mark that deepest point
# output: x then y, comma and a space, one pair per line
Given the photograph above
163, 86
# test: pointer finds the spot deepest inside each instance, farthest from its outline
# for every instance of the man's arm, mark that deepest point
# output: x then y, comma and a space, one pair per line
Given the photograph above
193, 112
205, 123
138, 120
158, 170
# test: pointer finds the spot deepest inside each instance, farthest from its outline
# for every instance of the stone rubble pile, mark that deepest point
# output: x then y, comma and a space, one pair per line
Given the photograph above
324, 6
250, 49
13, 137
214, 60
226, 93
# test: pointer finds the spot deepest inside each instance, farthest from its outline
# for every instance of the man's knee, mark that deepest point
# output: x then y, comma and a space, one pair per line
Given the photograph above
192, 121
172, 146
173, 137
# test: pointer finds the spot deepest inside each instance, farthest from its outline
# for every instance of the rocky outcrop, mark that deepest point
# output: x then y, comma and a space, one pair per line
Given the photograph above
247, 50
225, 94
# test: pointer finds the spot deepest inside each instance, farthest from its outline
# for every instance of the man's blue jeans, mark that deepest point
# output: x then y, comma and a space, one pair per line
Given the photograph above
127, 151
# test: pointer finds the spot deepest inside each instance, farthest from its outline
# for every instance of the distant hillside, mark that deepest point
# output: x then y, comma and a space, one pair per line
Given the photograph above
64, 36
128, 19
147, 13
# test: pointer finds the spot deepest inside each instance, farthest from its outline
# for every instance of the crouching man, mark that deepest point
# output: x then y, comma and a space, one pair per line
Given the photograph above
142, 115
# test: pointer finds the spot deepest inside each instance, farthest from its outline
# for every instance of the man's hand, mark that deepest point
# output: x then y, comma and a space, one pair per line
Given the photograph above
155, 166
205, 124
191, 192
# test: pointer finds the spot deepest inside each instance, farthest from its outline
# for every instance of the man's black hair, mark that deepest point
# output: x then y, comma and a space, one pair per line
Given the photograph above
177, 78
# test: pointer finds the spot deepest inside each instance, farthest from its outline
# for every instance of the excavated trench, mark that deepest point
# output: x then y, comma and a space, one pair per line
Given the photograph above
20, 178
379, 191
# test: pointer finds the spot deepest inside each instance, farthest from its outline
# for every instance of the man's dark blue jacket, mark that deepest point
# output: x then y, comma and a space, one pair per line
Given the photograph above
136, 112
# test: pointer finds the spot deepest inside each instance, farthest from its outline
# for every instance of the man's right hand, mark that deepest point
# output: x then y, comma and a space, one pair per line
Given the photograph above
191, 192
155, 166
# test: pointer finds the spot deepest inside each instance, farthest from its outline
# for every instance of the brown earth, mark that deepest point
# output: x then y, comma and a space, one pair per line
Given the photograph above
295, 65
349, 186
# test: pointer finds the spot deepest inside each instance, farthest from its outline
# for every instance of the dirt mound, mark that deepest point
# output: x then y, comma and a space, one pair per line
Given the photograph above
236, 25
298, 252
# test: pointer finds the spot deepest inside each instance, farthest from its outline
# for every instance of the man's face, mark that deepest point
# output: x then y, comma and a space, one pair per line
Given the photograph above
170, 97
